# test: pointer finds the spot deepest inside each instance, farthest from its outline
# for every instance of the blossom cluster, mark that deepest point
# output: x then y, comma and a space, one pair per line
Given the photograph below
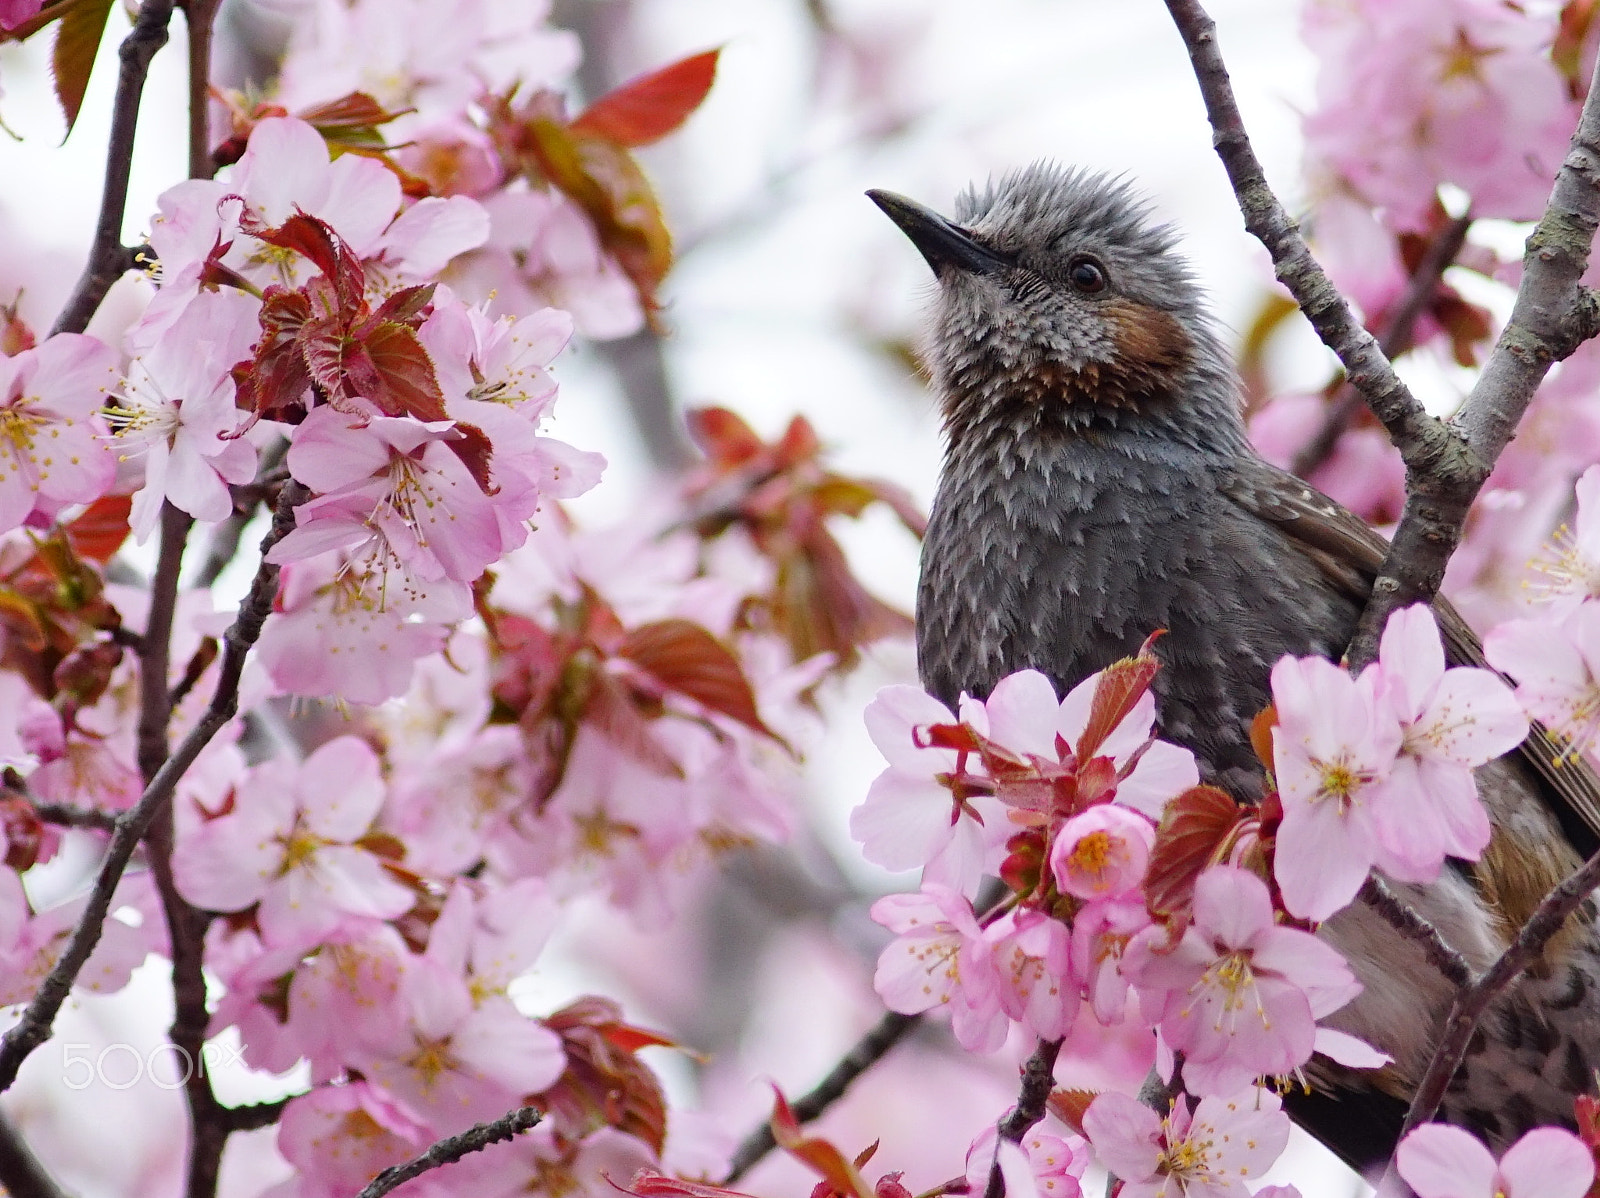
1138, 897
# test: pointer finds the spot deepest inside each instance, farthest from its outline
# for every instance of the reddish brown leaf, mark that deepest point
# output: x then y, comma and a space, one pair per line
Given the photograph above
818, 1154
610, 708
101, 528
472, 446
647, 1183
77, 43
409, 305
684, 657
631, 1039
1193, 828
1261, 736
648, 108
404, 381
1069, 1106
723, 436
604, 1085
1122, 684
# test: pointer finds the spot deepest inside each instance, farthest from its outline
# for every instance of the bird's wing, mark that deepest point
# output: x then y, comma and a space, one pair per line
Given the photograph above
1350, 553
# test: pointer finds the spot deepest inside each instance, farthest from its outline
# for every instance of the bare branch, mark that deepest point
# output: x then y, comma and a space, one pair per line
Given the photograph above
21, 1174
1038, 1078
1423, 440
109, 259
448, 1151
1394, 338
252, 1117
866, 1052
69, 816
201, 16
34, 1028
1472, 1001
1418, 930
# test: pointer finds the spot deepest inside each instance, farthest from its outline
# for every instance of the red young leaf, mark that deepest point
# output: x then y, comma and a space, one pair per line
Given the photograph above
315, 240
610, 708
100, 529
473, 448
724, 436
408, 305
404, 381
77, 42
818, 1154
647, 1183
683, 656
1261, 736
1069, 1106
648, 108
1122, 684
1193, 827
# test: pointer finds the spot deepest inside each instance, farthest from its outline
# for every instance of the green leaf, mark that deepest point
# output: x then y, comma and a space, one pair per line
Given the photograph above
77, 42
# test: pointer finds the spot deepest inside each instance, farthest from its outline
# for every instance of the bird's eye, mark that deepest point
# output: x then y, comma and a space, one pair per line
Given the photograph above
1086, 275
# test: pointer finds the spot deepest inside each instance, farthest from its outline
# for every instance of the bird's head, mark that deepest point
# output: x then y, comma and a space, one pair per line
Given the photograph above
1061, 301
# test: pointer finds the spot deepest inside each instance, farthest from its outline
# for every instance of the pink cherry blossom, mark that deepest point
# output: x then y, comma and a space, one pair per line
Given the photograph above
287, 845
940, 959
176, 410
393, 493
16, 12
1556, 665
1055, 1163
341, 1137
1158, 773
1215, 1152
1440, 1161
1032, 961
1334, 745
1102, 853
52, 442
1451, 721
1101, 932
1570, 566
1240, 994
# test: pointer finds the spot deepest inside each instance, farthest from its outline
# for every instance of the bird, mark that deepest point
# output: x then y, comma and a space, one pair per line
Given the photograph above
1097, 485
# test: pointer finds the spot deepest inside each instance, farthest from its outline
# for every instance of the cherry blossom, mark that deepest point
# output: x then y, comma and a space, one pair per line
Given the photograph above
1334, 745
286, 843
52, 443
1570, 567
1102, 853
1451, 721
1556, 665
1032, 961
340, 1137
1239, 994
1213, 1152
1056, 1163
940, 959
1440, 1161
1101, 932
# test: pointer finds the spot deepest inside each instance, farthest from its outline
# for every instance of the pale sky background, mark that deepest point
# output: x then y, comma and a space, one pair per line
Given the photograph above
793, 270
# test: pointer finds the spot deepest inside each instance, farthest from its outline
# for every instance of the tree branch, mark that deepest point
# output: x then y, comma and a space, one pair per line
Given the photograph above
1038, 1078
69, 816
448, 1151
865, 1053
1423, 440
1472, 1001
109, 259
34, 1028
21, 1174
1418, 930
252, 1117
1394, 339
201, 16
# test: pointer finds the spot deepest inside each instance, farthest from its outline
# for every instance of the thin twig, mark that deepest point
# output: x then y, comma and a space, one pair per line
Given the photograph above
34, 1028
21, 1173
1472, 1001
109, 259
1038, 1078
448, 1151
201, 15
1395, 337
865, 1053
253, 1116
69, 816
1418, 930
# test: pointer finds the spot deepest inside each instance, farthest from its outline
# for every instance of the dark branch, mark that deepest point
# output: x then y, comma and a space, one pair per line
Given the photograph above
109, 259
1394, 338
34, 1028
21, 1174
1418, 930
252, 1117
1423, 440
69, 816
866, 1052
1472, 1001
1038, 1078
448, 1151
201, 16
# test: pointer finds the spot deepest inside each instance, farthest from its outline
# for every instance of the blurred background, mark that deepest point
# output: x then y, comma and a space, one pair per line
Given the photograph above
792, 294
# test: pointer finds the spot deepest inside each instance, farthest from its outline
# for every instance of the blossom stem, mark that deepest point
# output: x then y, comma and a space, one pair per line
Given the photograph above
38, 1019
453, 1148
1418, 930
865, 1053
109, 259
1038, 1079
1472, 1001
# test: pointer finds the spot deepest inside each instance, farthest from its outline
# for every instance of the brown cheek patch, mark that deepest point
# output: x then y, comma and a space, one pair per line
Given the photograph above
1150, 351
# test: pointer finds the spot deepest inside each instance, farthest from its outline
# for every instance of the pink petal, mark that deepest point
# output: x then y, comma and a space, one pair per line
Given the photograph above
1126, 1136
1547, 1163
1440, 1161
340, 789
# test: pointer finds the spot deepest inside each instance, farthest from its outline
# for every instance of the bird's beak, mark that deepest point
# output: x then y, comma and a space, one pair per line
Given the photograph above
942, 243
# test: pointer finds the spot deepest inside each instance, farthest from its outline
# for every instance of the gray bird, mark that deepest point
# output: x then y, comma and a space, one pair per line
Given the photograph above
1098, 485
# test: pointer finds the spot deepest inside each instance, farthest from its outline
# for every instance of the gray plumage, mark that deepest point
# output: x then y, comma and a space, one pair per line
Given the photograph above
1097, 485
